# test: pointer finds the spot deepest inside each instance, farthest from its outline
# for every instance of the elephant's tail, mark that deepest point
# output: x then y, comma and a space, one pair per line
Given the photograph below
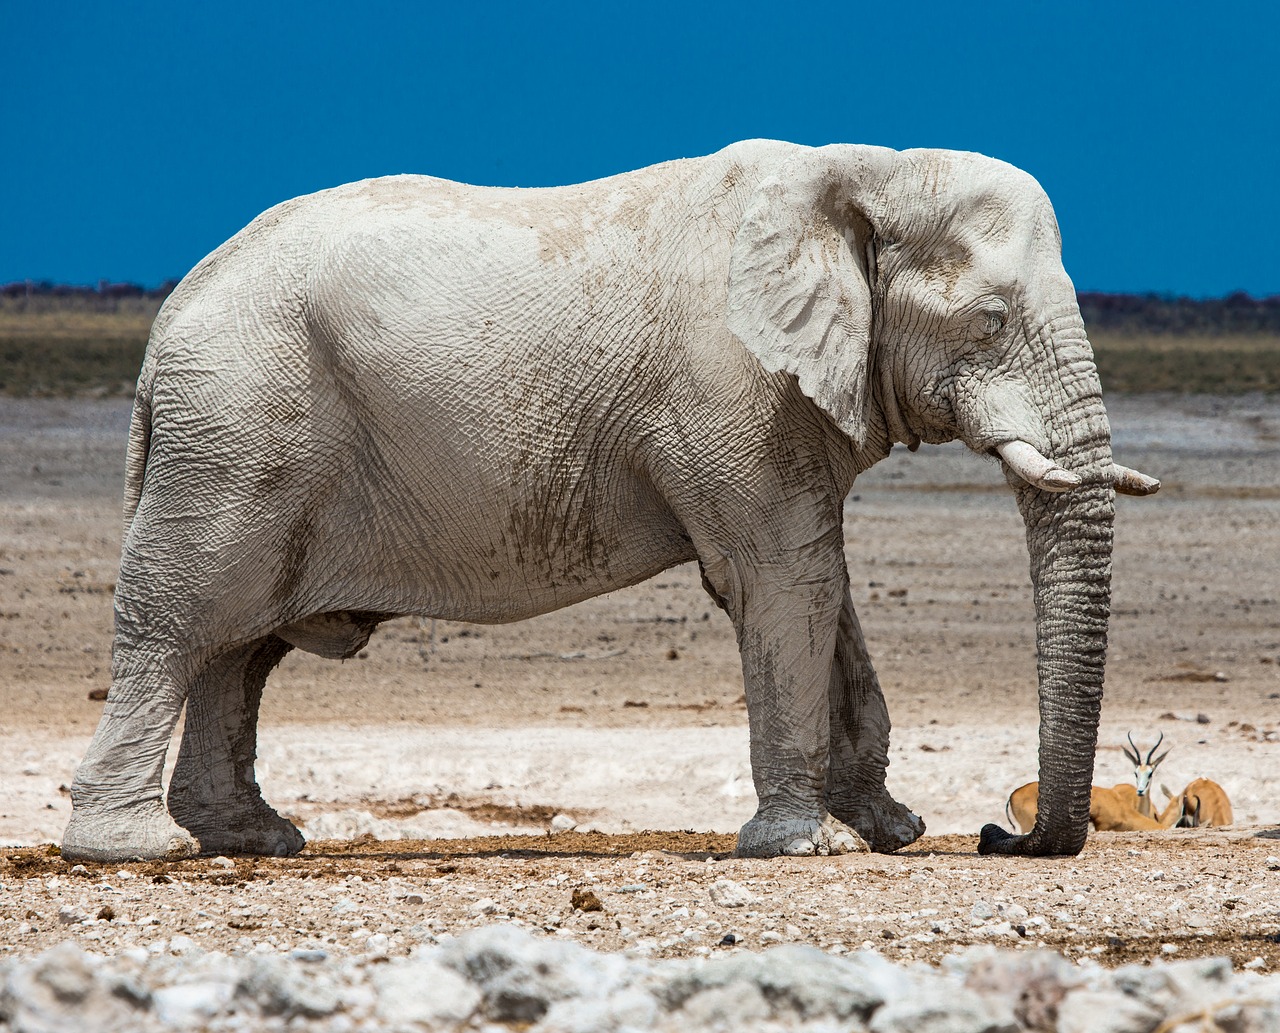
139, 441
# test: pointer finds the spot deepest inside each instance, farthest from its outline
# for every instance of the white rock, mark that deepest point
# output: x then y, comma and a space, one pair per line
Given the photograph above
736, 1007
1014, 913
421, 990
563, 823
1089, 1011
183, 945
310, 954
221, 862
188, 1004
284, 987
944, 1010
629, 1009
520, 976
797, 980
727, 893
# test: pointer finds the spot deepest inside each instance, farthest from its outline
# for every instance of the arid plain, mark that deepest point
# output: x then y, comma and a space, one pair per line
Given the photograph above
625, 715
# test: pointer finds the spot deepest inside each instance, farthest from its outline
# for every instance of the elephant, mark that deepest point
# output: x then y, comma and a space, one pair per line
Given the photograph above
409, 396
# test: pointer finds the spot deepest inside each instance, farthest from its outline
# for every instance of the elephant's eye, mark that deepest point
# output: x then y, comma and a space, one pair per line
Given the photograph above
990, 321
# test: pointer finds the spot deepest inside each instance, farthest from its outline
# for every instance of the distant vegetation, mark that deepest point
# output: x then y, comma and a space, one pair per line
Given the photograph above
57, 340
1150, 342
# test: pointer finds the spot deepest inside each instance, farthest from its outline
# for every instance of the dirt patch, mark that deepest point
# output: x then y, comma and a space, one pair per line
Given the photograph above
1129, 896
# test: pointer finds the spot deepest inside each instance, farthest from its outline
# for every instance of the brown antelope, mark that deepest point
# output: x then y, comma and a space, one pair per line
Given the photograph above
1022, 805
1110, 810
1142, 772
1167, 818
1205, 803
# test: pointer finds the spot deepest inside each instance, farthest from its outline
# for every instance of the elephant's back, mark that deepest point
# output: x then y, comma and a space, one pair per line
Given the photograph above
277, 255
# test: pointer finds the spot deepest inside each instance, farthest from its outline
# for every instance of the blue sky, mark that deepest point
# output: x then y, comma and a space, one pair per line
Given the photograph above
142, 135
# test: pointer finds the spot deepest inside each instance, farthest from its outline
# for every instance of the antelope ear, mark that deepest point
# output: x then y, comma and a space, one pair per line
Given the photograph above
800, 278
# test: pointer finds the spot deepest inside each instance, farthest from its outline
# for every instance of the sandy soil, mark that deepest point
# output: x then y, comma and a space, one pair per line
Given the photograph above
625, 714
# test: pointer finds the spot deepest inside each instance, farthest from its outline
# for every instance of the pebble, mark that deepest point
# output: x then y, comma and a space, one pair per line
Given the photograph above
727, 893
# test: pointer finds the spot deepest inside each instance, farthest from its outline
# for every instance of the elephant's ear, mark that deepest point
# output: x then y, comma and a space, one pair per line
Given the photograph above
800, 278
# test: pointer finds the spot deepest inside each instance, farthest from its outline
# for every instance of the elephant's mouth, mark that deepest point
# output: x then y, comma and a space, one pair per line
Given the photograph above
895, 421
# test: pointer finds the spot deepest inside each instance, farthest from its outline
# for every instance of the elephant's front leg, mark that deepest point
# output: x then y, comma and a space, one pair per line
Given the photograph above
214, 793
856, 791
787, 621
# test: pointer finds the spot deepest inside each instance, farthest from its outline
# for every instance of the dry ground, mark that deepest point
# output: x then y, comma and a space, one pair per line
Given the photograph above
626, 714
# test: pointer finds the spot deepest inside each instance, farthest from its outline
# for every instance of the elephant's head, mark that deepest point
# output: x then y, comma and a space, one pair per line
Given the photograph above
920, 296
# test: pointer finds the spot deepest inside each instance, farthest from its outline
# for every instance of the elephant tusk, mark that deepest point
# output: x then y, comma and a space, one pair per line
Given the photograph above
1032, 467
1131, 482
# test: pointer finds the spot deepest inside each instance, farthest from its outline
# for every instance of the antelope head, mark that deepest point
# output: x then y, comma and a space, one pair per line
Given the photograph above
1144, 769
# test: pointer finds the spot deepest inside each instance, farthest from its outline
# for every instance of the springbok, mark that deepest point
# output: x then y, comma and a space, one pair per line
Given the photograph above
1142, 772
1205, 803
1022, 805
1110, 810
1168, 818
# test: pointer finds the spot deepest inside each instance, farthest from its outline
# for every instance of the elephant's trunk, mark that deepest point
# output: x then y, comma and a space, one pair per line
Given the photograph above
1069, 537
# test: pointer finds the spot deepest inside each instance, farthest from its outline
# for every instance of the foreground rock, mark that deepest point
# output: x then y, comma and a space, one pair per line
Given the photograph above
501, 974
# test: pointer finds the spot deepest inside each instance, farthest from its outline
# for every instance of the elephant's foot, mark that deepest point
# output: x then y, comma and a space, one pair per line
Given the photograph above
139, 832
797, 837
885, 824
247, 827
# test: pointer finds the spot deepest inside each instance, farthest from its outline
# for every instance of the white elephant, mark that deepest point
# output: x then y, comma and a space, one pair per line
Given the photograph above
411, 396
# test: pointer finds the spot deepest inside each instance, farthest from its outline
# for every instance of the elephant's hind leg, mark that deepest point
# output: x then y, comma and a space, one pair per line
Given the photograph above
117, 811
213, 792
856, 792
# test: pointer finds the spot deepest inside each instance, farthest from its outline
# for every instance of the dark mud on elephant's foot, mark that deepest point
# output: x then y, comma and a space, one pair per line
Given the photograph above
882, 822
797, 837
141, 832
255, 829
995, 840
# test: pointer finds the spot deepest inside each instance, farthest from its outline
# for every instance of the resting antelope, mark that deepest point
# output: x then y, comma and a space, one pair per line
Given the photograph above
1205, 803
1110, 810
1168, 818
1142, 772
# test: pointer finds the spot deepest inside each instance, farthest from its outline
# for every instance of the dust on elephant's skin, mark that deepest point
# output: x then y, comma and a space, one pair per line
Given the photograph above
409, 396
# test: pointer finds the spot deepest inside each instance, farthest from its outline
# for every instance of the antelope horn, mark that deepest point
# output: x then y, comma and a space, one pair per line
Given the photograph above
1032, 467
1156, 747
1135, 755
1131, 482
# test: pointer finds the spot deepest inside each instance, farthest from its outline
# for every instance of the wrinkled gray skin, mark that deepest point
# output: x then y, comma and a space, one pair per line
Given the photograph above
410, 396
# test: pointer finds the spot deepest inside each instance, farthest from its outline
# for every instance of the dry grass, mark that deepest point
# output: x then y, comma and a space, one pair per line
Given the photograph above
62, 347
1188, 364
